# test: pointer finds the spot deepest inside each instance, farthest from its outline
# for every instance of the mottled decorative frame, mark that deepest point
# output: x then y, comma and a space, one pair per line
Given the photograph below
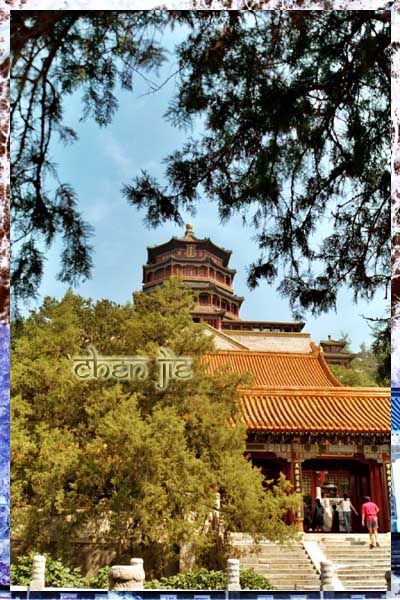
5, 7
4, 454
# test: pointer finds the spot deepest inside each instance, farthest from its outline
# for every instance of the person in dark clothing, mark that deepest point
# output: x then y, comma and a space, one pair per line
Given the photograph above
307, 517
318, 516
335, 519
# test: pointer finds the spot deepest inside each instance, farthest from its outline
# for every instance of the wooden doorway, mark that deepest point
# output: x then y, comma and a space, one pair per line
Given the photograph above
349, 476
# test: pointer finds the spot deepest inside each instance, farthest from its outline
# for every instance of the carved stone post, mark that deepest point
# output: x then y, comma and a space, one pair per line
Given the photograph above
127, 577
327, 576
37, 583
233, 572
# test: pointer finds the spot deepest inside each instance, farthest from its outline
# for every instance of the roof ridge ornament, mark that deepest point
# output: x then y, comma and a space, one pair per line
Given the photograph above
189, 231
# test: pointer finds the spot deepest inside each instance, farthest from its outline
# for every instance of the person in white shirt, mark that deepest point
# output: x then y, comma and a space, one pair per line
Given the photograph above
326, 505
347, 507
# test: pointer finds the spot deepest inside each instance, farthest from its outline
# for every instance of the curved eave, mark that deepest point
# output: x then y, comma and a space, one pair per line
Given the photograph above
318, 410
184, 260
211, 285
276, 369
222, 253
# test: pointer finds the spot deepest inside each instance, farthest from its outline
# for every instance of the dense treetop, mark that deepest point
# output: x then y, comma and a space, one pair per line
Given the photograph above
129, 466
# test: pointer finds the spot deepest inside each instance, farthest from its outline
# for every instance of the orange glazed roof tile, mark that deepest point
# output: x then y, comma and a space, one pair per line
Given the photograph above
342, 410
296, 392
276, 369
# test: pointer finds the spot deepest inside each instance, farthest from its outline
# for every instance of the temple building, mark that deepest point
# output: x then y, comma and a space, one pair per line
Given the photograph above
335, 352
327, 439
204, 266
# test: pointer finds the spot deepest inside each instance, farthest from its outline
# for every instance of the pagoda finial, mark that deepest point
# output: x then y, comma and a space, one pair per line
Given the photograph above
189, 231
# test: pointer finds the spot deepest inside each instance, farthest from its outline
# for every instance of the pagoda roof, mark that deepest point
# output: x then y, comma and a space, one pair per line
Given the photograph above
189, 237
335, 410
186, 260
276, 369
333, 343
207, 285
296, 392
338, 355
297, 325
207, 310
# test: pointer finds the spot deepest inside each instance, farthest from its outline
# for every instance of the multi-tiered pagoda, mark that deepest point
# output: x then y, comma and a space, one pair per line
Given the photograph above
204, 266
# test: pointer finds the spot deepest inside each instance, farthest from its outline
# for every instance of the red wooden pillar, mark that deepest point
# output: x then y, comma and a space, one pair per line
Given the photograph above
379, 494
386, 471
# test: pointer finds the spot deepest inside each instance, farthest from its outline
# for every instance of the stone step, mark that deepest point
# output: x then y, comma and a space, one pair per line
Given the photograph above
364, 557
363, 545
353, 562
293, 580
280, 554
360, 588
285, 585
306, 588
276, 558
274, 573
365, 579
371, 551
256, 550
354, 546
280, 565
358, 546
290, 559
286, 567
355, 572
282, 586
372, 554
357, 566
307, 568
298, 566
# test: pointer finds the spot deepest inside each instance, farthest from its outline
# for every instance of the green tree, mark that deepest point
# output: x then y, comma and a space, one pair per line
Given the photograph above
358, 374
371, 366
296, 140
381, 349
56, 54
143, 466
296, 136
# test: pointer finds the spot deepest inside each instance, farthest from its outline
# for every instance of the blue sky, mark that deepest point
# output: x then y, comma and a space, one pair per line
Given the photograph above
104, 159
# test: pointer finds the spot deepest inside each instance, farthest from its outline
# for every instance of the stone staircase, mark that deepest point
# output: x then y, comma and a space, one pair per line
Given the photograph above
291, 568
286, 567
357, 566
